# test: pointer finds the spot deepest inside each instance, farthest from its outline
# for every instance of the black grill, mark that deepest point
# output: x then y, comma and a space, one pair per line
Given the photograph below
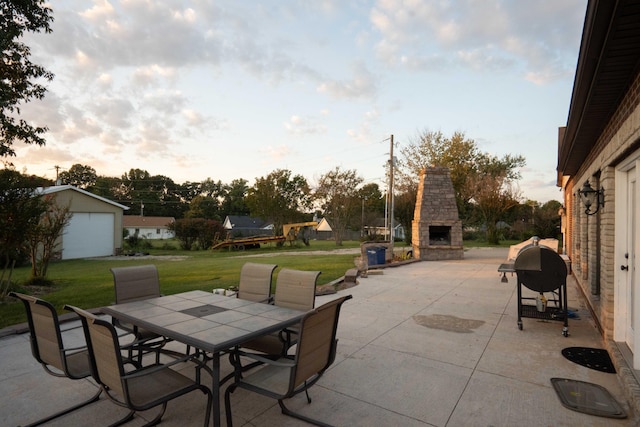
542, 270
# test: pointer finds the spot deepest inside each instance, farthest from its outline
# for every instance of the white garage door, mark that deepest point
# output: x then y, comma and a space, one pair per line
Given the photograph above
88, 235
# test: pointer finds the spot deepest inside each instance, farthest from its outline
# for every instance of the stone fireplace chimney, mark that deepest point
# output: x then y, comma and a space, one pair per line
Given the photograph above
436, 227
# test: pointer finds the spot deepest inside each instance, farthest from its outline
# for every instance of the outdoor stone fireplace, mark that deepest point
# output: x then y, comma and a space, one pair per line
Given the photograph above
436, 227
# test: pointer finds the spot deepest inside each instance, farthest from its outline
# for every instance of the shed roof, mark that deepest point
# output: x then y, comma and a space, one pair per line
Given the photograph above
59, 188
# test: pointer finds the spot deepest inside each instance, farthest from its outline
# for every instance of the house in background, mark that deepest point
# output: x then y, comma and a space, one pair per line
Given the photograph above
149, 227
380, 228
599, 157
95, 229
246, 226
324, 231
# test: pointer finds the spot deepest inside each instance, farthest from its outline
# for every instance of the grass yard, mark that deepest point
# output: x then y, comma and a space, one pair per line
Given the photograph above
88, 283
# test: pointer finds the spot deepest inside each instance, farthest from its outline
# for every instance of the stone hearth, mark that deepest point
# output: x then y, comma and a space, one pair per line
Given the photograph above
436, 227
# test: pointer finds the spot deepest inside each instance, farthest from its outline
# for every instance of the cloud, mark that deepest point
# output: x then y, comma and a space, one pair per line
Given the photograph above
44, 157
114, 112
101, 10
361, 86
485, 35
154, 140
279, 152
363, 133
301, 126
151, 74
167, 102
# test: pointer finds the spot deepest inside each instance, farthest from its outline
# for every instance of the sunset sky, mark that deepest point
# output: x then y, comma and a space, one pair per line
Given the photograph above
237, 89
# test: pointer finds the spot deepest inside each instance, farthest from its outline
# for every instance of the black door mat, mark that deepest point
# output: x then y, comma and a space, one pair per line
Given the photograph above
594, 358
587, 398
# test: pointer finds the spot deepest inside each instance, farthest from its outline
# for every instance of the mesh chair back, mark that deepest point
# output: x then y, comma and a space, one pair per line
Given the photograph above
135, 283
296, 289
46, 339
255, 281
104, 348
317, 342
48, 349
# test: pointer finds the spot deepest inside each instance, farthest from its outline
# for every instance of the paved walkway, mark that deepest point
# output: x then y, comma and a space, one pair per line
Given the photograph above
425, 344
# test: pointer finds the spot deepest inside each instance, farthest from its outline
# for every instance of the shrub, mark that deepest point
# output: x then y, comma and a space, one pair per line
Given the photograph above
39, 281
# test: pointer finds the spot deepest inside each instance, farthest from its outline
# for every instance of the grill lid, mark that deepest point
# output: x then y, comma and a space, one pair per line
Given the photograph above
540, 269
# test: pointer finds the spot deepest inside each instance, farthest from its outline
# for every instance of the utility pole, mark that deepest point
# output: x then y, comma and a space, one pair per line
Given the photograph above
362, 220
391, 165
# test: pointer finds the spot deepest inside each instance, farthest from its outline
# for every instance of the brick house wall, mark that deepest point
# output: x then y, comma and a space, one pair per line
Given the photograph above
592, 241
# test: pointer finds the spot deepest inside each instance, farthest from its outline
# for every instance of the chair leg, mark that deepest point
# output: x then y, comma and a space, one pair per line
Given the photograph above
158, 417
290, 413
227, 404
124, 420
209, 395
92, 399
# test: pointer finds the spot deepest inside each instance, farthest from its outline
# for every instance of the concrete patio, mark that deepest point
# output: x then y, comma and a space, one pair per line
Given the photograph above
424, 344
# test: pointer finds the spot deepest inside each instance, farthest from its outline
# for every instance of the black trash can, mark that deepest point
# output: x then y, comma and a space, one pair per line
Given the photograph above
381, 255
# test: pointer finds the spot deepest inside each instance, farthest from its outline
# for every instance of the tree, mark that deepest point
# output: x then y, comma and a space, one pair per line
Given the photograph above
210, 188
169, 198
80, 176
458, 153
234, 202
107, 187
19, 76
483, 183
151, 195
20, 212
42, 239
493, 195
547, 221
279, 197
186, 231
192, 231
203, 207
372, 204
404, 209
337, 194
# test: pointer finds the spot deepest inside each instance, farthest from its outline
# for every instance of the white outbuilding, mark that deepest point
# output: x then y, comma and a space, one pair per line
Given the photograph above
95, 229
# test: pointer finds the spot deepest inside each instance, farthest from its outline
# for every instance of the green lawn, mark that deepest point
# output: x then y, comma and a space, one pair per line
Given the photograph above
87, 283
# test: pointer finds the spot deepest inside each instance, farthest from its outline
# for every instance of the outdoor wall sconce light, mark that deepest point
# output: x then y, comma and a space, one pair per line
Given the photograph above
591, 197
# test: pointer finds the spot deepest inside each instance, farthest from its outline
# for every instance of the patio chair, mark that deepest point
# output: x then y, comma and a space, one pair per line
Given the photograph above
138, 283
139, 389
49, 350
295, 289
285, 377
255, 282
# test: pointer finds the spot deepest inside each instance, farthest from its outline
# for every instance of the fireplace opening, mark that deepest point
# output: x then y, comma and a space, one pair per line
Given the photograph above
439, 235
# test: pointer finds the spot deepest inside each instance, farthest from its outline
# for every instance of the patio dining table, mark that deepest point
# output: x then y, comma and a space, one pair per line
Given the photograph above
209, 322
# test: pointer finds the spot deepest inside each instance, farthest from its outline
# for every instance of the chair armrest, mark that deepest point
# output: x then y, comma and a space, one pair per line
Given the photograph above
283, 362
